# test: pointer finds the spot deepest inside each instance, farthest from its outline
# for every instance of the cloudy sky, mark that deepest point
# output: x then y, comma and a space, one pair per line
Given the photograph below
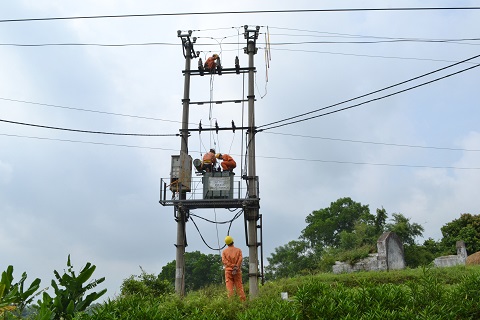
95, 196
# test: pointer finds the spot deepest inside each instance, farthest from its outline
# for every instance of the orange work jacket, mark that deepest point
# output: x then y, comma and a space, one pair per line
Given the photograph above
210, 63
209, 158
231, 257
226, 157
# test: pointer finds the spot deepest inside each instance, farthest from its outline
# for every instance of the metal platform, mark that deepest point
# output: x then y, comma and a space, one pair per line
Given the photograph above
195, 196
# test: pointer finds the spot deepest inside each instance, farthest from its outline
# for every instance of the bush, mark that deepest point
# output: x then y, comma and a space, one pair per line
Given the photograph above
146, 285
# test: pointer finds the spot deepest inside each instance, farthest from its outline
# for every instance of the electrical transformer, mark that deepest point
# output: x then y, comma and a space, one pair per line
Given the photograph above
218, 185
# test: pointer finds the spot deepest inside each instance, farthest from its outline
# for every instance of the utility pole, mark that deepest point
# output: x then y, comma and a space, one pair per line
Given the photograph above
251, 212
182, 213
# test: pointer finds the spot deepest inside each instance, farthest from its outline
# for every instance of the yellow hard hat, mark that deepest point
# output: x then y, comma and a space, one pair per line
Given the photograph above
215, 55
228, 240
218, 155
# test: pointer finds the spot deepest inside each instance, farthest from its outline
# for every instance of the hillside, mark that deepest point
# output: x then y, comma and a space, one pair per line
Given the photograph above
437, 293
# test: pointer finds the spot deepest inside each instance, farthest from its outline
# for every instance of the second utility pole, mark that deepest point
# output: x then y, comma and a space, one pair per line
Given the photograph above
251, 212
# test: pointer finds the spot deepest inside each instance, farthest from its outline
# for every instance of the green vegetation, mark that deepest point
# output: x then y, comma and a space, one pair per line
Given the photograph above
68, 301
345, 231
440, 293
13, 297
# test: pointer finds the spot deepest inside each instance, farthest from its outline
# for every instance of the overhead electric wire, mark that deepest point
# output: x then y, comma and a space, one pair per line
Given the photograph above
371, 100
89, 131
373, 164
326, 34
363, 55
91, 44
454, 41
89, 110
370, 42
87, 142
376, 143
239, 12
377, 91
258, 156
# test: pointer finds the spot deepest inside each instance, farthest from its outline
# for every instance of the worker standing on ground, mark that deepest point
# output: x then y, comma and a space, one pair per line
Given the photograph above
228, 164
232, 261
209, 161
211, 63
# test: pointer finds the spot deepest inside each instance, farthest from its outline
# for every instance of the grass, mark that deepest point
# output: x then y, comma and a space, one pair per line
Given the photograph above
437, 293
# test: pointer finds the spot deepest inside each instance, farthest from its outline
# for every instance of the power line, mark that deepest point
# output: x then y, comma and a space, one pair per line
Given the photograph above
372, 42
376, 143
454, 41
240, 12
363, 55
88, 131
91, 44
375, 99
266, 157
87, 110
349, 35
372, 164
376, 91
87, 142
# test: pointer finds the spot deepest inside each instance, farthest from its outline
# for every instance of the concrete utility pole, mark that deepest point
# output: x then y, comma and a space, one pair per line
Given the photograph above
252, 212
181, 212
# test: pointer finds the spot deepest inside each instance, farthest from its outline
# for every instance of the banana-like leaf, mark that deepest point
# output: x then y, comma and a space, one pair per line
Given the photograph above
31, 290
89, 299
7, 278
70, 308
85, 274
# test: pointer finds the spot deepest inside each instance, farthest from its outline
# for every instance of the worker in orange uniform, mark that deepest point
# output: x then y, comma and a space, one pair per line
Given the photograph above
209, 161
232, 261
211, 63
228, 164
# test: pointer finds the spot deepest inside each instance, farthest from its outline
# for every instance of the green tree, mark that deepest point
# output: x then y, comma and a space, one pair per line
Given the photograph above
289, 260
465, 228
422, 255
415, 255
325, 225
71, 298
380, 220
406, 230
201, 270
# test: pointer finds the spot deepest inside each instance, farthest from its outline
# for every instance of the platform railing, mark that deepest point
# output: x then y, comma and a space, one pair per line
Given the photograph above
170, 191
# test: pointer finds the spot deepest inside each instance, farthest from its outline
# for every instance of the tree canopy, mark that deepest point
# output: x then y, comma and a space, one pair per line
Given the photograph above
290, 260
406, 230
325, 225
345, 231
200, 270
465, 228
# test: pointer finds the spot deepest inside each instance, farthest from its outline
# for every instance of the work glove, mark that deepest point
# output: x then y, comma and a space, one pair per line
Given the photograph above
234, 271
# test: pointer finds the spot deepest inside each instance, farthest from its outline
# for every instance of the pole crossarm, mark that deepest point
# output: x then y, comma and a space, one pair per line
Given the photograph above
217, 129
217, 102
223, 71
